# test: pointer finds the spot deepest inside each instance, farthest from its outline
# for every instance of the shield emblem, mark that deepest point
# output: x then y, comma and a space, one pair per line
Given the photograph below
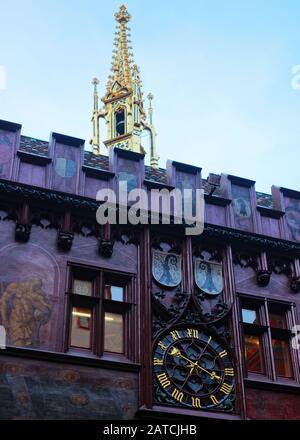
65, 167
166, 268
209, 276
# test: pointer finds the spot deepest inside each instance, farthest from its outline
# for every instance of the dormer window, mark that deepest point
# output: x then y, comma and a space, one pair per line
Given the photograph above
120, 122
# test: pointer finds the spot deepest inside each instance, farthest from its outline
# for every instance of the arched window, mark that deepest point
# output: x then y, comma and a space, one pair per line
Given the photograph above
120, 122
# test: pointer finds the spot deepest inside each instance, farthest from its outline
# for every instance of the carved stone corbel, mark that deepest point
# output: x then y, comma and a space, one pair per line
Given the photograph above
295, 284
65, 237
263, 277
64, 240
106, 243
22, 232
23, 226
295, 277
106, 248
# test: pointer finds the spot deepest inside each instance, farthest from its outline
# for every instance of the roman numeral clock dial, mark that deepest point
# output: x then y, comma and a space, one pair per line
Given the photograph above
192, 369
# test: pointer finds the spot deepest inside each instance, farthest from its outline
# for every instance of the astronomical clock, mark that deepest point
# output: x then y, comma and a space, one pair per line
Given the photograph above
192, 368
192, 364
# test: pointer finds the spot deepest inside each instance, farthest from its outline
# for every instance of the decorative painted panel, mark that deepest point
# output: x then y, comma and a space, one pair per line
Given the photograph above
65, 166
128, 171
41, 390
28, 290
242, 207
292, 216
187, 181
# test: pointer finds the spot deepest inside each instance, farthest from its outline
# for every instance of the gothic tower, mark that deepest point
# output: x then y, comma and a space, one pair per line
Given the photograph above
124, 112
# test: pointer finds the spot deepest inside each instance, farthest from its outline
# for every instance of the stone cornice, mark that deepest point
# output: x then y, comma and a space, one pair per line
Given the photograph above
22, 192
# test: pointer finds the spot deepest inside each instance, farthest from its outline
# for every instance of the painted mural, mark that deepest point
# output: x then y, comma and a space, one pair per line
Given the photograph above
242, 207
66, 158
293, 218
187, 181
39, 390
24, 310
65, 167
128, 173
27, 280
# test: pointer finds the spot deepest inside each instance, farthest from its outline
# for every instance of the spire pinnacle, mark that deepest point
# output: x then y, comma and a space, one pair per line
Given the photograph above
123, 16
122, 59
126, 118
154, 158
95, 141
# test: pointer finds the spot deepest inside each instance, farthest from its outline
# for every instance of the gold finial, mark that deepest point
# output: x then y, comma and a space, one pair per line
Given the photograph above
150, 97
154, 158
123, 16
150, 110
122, 57
95, 81
95, 141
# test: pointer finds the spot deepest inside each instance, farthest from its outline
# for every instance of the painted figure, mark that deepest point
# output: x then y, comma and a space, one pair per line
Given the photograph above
24, 310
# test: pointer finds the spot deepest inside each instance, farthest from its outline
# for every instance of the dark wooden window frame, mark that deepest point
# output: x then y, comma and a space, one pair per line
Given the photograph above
264, 306
99, 305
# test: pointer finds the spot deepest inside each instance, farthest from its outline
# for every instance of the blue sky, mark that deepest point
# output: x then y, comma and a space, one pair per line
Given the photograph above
220, 72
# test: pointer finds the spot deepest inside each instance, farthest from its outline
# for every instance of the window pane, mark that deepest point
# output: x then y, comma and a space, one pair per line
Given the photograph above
282, 358
114, 293
113, 333
81, 327
277, 320
81, 287
253, 353
250, 316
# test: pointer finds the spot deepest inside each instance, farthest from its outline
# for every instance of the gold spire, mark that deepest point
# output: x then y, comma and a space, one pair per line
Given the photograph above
124, 111
122, 58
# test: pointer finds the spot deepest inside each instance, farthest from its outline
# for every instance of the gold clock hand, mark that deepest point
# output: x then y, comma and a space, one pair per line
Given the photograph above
213, 375
176, 353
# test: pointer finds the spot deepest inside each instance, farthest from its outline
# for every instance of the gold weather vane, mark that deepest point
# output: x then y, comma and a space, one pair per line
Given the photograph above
124, 111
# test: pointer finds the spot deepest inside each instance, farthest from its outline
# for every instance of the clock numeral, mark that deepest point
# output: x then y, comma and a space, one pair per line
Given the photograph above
193, 333
223, 353
175, 335
225, 388
177, 395
163, 380
157, 361
196, 402
214, 400
162, 345
229, 372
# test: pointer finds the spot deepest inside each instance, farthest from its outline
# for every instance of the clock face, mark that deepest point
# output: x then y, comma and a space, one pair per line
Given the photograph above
193, 369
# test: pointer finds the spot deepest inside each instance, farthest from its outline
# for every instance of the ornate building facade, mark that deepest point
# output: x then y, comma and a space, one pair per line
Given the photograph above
122, 321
